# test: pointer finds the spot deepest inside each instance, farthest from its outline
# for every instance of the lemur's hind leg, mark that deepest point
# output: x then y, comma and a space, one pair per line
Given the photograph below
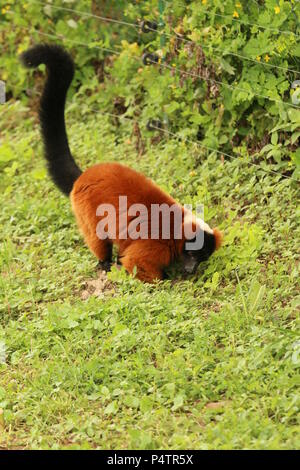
107, 263
102, 249
87, 223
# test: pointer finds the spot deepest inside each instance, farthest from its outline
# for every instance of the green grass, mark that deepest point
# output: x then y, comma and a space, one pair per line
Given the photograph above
207, 362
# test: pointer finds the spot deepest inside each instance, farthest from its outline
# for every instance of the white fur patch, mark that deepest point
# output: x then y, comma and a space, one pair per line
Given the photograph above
203, 225
190, 218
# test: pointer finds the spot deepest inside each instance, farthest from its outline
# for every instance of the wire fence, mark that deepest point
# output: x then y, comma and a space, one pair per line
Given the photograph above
167, 66
171, 36
132, 119
226, 85
182, 72
219, 15
223, 51
169, 4
87, 14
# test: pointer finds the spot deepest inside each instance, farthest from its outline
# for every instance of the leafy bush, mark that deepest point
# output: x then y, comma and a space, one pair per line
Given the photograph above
222, 79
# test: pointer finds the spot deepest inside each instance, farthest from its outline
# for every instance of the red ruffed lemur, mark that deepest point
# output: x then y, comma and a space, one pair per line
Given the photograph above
103, 185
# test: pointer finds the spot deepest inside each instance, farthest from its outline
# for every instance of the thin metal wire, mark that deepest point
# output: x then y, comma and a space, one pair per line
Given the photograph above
210, 13
63, 38
253, 24
173, 134
211, 149
225, 52
87, 14
113, 51
224, 84
137, 25
22, 89
154, 127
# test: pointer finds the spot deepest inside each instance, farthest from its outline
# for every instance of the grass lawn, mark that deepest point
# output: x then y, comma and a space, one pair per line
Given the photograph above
205, 362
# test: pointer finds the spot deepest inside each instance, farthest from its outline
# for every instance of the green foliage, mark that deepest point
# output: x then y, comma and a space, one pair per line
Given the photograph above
232, 67
206, 362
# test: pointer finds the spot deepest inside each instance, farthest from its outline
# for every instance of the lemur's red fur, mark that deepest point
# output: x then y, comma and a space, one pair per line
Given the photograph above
104, 183
218, 237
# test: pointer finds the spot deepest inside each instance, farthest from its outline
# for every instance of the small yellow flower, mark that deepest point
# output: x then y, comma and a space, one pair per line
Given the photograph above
3, 11
159, 60
134, 47
238, 5
204, 2
173, 65
267, 58
193, 173
20, 49
235, 14
258, 58
277, 10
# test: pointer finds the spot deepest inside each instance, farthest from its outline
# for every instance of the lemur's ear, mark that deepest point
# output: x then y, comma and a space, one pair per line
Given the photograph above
218, 237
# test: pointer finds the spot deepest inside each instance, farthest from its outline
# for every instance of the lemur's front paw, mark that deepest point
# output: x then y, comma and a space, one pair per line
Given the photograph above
104, 265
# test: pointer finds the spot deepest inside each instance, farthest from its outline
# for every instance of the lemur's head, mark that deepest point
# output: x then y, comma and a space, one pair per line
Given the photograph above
200, 243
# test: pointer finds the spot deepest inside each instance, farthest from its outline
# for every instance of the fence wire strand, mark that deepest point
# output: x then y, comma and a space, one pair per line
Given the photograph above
87, 14
181, 71
113, 51
212, 13
137, 26
175, 135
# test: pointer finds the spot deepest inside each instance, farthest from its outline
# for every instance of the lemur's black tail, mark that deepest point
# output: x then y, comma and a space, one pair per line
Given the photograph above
60, 66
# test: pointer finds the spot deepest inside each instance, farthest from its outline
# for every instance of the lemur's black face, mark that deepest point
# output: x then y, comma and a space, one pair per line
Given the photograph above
192, 258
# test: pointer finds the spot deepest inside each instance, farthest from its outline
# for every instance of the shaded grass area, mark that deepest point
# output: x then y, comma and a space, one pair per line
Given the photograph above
203, 362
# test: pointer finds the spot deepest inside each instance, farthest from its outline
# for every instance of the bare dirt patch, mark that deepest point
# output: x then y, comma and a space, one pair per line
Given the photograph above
215, 405
99, 287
